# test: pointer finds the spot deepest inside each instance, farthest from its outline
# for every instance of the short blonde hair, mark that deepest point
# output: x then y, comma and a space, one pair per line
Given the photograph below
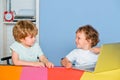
23, 29
90, 33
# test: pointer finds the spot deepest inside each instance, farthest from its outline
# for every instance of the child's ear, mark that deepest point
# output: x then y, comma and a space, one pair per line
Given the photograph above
21, 40
90, 41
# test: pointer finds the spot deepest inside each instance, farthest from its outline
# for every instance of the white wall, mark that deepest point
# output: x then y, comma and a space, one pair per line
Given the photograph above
1, 30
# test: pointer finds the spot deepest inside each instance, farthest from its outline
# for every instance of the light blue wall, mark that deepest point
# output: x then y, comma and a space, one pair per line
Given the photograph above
59, 20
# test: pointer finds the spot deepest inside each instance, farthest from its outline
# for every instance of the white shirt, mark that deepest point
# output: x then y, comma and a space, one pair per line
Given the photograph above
82, 58
27, 54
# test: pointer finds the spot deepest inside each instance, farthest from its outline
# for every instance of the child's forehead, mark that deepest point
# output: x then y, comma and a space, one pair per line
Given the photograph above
80, 34
30, 35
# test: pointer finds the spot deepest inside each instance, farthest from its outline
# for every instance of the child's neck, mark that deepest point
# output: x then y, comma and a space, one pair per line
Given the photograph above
25, 45
87, 47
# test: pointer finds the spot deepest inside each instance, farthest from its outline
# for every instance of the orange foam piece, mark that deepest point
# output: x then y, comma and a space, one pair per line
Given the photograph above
10, 72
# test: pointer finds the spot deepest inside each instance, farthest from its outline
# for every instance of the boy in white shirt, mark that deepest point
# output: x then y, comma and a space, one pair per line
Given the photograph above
85, 56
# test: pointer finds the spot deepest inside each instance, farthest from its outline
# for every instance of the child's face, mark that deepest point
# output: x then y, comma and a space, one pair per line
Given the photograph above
81, 41
28, 41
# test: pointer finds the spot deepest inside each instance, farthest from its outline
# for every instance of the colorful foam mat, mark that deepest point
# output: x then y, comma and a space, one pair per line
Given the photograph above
56, 73
38, 73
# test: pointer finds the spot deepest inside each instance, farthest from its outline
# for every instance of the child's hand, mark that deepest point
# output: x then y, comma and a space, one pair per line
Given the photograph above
49, 64
95, 50
66, 63
69, 65
38, 64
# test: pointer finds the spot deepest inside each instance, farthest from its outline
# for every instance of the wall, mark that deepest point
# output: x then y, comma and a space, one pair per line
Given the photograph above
27, 5
59, 20
6, 38
1, 28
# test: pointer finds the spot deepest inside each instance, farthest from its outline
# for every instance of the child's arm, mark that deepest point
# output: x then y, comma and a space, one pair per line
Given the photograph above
17, 61
46, 62
66, 63
95, 50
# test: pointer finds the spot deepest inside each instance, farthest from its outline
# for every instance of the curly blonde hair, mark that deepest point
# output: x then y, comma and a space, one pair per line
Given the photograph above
90, 33
23, 29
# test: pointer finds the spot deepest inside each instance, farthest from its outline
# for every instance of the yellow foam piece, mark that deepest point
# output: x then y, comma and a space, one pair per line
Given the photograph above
108, 64
109, 58
107, 75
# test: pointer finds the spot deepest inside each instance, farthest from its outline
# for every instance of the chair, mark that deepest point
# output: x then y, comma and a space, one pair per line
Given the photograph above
7, 59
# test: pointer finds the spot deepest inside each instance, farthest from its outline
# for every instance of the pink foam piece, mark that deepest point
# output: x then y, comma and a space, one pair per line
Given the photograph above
34, 73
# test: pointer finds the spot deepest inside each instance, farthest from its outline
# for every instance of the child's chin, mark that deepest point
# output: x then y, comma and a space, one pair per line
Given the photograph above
78, 47
30, 45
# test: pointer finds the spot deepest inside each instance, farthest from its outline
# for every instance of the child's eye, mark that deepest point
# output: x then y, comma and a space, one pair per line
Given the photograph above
32, 36
78, 37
